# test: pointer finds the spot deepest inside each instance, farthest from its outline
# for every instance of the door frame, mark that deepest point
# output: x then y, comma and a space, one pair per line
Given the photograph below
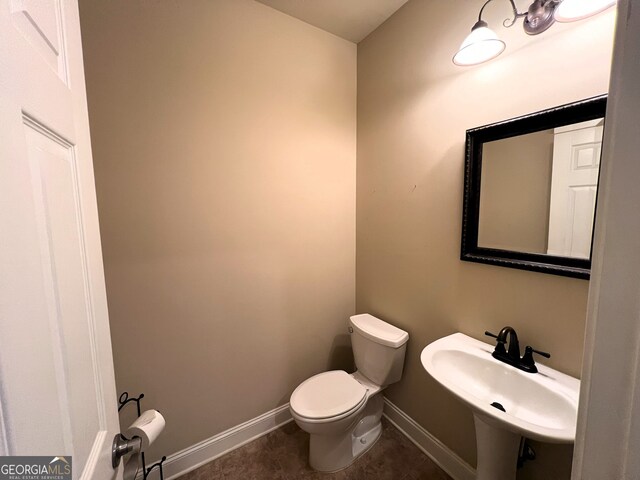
608, 431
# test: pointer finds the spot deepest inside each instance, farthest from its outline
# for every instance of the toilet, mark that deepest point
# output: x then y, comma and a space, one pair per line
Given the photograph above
342, 411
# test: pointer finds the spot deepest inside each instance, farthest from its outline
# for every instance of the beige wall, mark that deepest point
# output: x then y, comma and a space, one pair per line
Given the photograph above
413, 109
223, 135
515, 193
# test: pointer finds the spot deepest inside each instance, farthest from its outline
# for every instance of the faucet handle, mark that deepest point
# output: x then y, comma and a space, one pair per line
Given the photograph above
527, 363
500, 345
489, 334
533, 350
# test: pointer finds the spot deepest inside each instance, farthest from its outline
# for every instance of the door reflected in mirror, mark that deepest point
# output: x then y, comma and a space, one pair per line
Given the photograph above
538, 190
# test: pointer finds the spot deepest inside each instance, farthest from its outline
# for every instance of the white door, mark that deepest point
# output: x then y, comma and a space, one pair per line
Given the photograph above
57, 390
574, 185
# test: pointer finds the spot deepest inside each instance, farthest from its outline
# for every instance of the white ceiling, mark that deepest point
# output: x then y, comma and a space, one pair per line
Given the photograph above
350, 19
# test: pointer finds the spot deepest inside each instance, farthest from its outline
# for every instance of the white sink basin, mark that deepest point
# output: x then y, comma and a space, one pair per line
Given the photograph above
541, 406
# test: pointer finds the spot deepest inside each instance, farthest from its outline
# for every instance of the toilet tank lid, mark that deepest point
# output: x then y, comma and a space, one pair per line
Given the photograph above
378, 331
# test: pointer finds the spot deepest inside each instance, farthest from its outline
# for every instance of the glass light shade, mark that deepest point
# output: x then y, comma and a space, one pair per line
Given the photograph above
573, 10
481, 44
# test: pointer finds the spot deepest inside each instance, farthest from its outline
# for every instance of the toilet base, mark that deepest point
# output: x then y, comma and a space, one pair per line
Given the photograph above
330, 453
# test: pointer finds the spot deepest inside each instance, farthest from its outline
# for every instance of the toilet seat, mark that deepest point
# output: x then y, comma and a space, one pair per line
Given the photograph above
328, 395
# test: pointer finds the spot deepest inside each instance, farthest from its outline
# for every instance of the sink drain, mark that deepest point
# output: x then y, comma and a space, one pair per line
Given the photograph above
498, 406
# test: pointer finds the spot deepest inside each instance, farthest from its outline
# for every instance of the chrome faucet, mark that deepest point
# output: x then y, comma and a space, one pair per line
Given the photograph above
511, 355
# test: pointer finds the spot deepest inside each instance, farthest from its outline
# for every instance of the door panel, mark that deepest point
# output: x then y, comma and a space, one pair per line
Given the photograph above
574, 183
41, 23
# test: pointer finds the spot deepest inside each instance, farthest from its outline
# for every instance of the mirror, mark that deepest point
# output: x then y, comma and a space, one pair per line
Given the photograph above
530, 190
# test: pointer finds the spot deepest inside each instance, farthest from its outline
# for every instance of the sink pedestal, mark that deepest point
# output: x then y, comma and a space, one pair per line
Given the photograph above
497, 451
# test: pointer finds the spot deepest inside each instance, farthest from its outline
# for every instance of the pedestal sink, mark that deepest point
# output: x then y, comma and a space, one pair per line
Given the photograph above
541, 406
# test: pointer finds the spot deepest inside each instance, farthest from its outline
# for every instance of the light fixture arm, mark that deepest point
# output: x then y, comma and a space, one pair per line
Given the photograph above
509, 22
516, 15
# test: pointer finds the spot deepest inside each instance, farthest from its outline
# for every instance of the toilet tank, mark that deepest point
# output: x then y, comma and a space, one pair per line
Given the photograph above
378, 348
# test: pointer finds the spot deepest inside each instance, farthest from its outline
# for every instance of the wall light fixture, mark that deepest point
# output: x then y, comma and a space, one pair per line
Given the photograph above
482, 44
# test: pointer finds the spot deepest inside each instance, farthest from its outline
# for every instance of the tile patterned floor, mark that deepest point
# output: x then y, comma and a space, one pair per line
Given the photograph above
282, 455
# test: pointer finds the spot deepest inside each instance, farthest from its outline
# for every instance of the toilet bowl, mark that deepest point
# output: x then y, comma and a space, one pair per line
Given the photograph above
342, 411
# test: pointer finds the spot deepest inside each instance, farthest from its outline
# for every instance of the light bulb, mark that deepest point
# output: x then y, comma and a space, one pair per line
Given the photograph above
573, 10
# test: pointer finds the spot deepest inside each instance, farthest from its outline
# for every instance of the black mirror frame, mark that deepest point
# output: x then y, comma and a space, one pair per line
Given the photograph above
582, 111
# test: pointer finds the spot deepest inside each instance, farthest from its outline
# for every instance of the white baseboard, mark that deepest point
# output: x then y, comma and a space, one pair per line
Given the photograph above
451, 463
203, 452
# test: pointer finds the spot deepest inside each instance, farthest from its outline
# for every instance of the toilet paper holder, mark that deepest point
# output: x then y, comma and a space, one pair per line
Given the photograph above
123, 446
